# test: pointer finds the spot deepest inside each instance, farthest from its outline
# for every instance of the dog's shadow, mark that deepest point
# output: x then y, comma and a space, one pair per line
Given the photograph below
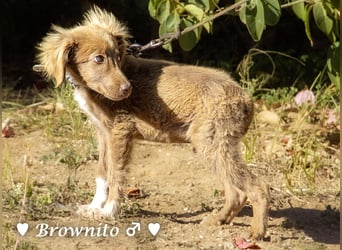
321, 226
181, 218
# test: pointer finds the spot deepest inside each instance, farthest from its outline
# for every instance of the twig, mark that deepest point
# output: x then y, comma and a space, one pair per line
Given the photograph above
287, 192
221, 13
23, 205
257, 51
286, 5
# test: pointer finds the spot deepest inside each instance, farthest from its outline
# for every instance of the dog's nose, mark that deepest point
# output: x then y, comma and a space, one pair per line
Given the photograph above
126, 88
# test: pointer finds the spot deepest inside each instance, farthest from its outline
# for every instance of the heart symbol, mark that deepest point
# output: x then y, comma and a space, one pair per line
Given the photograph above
154, 228
22, 228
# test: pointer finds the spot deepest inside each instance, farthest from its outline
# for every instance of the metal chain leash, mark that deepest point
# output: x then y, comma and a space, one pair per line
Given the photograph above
136, 49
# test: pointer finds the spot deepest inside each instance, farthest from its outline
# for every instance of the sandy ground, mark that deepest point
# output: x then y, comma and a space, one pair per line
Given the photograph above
174, 190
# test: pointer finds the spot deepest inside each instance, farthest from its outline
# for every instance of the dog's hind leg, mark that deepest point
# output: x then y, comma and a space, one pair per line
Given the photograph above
258, 193
217, 153
221, 151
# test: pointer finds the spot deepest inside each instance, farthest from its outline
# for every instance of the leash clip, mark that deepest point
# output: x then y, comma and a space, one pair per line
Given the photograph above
134, 49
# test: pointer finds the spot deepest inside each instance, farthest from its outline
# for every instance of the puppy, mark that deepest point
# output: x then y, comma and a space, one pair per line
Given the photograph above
127, 97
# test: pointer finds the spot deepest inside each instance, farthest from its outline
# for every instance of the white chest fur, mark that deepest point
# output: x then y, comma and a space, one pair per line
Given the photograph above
81, 99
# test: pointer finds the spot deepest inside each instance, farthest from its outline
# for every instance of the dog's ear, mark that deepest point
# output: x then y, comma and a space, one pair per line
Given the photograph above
54, 52
122, 43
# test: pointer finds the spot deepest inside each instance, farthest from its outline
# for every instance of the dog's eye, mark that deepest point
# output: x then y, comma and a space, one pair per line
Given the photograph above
99, 59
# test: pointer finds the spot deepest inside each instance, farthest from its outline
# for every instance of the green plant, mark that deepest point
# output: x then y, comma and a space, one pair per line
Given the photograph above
326, 15
278, 96
176, 16
256, 14
259, 69
71, 158
65, 118
70, 122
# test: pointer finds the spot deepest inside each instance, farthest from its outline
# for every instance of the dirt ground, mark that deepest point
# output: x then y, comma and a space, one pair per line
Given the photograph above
168, 185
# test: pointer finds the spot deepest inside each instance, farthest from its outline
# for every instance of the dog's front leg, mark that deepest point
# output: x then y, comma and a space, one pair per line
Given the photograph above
101, 191
93, 209
114, 149
117, 154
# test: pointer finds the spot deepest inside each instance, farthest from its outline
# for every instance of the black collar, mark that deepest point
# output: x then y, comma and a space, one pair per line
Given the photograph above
71, 81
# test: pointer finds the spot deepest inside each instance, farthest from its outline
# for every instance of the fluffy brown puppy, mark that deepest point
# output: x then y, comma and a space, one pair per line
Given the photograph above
127, 97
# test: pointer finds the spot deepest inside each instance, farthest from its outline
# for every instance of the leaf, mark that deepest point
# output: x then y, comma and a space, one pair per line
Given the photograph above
188, 41
299, 10
163, 10
214, 4
322, 20
333, 57
333, 64
272, 11
168, 47
208, 26
242, 13
195, 11
205, 5
336, 80
152, 8
133, 193
255, 19
170, 25
307, 23
198, 3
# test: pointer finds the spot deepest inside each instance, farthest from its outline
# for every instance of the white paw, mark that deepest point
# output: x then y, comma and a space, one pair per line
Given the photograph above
101, 193
111, 209
89, 212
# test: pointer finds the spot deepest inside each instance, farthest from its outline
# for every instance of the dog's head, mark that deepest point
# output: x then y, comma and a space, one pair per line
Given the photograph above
91, 52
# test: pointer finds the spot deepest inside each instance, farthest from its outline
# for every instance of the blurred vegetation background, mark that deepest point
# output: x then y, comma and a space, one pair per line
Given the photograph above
285, 56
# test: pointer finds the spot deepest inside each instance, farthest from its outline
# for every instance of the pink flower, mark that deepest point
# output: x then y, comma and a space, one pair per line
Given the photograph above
304, 96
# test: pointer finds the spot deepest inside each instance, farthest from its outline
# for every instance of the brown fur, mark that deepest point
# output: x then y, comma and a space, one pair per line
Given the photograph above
126, 97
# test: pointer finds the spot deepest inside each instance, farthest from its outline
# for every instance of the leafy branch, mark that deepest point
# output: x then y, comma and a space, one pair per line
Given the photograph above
185, 20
